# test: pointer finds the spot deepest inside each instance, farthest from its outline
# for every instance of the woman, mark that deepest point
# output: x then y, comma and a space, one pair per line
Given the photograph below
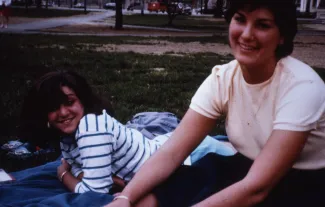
5, 13
274, 106
97, 150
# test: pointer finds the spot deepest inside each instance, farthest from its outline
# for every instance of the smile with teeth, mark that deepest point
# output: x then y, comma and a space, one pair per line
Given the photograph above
247, 47
66, 121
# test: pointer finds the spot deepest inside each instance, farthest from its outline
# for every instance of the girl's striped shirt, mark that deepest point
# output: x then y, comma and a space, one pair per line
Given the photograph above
103, 147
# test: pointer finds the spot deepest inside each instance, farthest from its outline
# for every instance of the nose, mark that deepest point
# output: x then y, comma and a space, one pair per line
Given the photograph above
248, 32
63, 111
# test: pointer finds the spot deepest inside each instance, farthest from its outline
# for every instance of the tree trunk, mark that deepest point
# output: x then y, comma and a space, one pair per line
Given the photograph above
172, 13
38, 4
218, 10
100, 4
142, 7
85, 6
26, 6
118, 15
308, 7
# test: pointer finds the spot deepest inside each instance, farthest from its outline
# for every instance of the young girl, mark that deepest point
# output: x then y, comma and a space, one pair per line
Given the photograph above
94, 145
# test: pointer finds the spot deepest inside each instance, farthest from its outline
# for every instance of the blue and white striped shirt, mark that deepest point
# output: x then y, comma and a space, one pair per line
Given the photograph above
103, 147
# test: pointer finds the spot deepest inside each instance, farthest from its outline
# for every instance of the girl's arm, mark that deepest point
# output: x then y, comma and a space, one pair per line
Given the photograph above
274, 161
95, 150
190, 132
65, 176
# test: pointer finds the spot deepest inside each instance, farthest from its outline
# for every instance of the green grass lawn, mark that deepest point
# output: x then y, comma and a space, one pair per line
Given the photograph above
129, 80
43, 13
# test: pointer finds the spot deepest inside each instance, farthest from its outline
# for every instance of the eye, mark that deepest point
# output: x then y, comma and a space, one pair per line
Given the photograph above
239, 19
69, 102
263, 25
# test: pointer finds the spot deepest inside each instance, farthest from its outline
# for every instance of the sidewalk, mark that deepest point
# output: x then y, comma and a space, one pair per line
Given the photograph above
55, 22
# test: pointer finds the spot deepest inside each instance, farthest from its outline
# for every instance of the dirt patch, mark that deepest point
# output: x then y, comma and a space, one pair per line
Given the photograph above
167, 47
105, 29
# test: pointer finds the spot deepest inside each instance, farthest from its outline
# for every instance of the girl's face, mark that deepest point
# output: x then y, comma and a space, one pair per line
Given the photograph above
254, 37
66, 118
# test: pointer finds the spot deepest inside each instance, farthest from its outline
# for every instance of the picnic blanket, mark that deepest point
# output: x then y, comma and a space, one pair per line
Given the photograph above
40, 187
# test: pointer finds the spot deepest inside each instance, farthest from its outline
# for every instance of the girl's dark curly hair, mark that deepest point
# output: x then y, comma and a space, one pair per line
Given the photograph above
46, 95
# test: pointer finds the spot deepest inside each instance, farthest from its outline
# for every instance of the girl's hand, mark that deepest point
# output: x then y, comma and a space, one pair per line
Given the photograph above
63, 167
119, 203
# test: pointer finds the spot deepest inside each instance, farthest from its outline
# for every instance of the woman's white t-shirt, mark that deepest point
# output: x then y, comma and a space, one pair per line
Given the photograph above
292, 99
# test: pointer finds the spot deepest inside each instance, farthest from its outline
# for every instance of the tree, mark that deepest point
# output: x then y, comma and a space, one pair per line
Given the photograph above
100, 4
26, 6
142, 7
118, 15
308, 7
85, 6
218, 9
47, 4
38, 4
174, 8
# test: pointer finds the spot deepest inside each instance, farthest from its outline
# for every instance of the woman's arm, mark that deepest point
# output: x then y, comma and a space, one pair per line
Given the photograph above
190, 132
274, 161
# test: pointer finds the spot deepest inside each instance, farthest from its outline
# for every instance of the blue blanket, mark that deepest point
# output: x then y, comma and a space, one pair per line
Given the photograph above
40, 187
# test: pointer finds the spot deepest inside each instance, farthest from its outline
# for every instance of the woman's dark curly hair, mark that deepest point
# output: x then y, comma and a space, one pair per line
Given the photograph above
46, 95
284, 12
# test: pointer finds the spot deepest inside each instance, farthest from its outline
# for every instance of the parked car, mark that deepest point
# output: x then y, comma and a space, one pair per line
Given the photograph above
181, 8
157, 6
79, 5
187, 9
176, 7
134, 5
110, 5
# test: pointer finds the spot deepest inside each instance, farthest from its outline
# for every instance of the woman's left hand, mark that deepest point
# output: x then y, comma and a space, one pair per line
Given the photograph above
63, 168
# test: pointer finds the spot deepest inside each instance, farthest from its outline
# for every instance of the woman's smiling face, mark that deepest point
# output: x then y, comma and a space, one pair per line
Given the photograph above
254, 37
66, 118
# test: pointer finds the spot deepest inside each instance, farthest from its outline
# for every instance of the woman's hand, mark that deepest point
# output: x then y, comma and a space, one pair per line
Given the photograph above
64, 167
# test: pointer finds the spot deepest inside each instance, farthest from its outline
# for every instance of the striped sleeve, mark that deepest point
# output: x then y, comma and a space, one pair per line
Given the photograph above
95, 147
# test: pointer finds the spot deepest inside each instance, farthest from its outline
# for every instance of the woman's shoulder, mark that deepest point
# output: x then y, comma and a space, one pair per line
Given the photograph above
224, 69
298, 70
299, 82
95, 122
223, 74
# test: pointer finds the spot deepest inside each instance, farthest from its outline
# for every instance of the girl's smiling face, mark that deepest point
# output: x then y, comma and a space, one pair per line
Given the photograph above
254, 37
66, 118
